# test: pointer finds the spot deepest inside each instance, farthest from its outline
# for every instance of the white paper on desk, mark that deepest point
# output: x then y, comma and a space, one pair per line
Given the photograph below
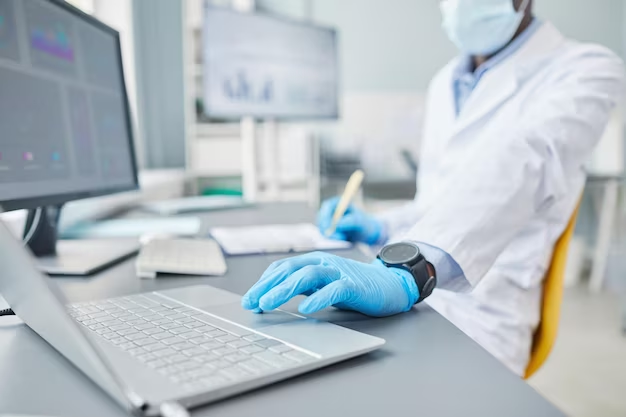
274, 238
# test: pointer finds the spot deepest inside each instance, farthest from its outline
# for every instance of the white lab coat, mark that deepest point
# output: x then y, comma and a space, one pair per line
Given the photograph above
498, 183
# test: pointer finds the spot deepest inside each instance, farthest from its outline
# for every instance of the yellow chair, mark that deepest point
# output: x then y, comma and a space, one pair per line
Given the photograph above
545, 335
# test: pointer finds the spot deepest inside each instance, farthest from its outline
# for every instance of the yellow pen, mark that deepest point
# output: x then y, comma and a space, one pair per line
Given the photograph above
352, 188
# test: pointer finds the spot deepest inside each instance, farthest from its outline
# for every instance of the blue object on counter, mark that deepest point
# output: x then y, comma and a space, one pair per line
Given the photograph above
179, 226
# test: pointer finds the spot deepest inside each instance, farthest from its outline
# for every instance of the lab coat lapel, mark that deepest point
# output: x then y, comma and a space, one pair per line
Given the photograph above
505, 79
444, 103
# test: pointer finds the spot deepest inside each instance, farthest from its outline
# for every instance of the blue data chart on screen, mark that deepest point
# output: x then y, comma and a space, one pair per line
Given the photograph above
256, 65
51, 39
240, 87
53, 42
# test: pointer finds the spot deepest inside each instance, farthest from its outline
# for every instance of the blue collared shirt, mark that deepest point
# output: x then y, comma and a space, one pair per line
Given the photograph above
464, 81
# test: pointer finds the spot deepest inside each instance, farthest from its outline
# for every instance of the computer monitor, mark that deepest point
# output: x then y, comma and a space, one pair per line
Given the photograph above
65, 130
267, 67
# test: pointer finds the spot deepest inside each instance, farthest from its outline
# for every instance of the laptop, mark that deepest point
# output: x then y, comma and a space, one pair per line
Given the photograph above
163, 352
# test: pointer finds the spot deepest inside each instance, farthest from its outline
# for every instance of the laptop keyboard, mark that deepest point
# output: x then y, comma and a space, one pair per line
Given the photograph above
183, 344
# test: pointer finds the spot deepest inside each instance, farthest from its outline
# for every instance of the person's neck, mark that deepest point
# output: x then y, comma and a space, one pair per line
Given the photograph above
478, 60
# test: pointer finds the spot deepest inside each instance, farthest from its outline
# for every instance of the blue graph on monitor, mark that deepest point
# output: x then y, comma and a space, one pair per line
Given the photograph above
241, 88
54, 42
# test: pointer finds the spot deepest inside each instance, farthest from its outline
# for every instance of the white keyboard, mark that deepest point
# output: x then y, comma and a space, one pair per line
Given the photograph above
180, 256
183, 344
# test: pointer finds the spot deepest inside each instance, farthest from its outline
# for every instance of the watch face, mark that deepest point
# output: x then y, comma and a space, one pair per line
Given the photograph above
399, 253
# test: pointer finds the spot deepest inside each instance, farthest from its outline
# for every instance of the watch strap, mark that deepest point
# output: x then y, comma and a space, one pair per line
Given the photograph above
425, 283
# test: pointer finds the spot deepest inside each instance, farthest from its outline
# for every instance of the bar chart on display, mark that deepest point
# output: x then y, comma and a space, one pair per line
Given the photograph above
262, 66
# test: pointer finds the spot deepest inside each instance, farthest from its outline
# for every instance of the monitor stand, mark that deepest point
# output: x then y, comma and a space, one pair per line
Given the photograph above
71, 257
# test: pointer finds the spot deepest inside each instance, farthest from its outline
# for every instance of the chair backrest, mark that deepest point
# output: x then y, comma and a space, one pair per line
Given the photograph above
545, 335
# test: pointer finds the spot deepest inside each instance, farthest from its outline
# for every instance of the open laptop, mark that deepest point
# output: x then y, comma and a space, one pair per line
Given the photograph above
163, 352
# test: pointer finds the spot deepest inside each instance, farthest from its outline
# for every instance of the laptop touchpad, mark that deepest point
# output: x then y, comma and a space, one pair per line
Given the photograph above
235, 313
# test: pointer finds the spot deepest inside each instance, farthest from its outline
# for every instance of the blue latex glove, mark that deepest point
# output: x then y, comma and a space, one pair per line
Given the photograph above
330, 280
354, 226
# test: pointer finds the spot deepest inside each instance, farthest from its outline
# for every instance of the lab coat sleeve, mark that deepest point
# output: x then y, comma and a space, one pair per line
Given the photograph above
523, 169
446, 268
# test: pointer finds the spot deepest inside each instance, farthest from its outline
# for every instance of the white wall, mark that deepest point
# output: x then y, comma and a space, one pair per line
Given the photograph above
599, 21
386, 45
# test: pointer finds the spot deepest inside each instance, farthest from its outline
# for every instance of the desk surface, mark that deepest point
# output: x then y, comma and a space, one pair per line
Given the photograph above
427, 367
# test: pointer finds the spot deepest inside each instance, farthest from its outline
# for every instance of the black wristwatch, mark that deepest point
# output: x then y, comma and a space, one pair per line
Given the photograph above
407, 256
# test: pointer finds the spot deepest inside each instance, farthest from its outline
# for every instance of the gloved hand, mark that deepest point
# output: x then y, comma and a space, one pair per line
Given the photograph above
330, 280
354, 226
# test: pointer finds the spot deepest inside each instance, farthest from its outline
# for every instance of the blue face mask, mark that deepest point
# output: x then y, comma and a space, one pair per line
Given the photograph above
481, 27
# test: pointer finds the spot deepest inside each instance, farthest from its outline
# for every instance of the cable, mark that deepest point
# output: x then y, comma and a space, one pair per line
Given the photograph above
7, 312
33, 226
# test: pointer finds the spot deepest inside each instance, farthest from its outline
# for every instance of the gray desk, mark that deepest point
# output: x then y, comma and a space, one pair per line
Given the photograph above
427, 367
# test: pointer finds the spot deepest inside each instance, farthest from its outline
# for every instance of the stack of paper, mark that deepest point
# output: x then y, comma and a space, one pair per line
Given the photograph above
275, 238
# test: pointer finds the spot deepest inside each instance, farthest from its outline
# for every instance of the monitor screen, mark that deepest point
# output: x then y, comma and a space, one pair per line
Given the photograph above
265, 67
64, 119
